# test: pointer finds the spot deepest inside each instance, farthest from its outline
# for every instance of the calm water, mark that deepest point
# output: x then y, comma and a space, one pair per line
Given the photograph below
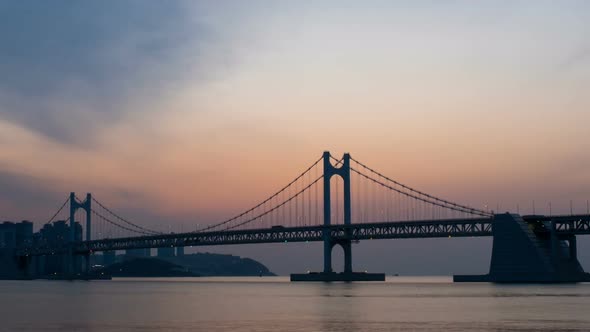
275, 304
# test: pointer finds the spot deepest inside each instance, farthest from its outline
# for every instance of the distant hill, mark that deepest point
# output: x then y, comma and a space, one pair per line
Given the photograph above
147, 267
190, 265
207, 264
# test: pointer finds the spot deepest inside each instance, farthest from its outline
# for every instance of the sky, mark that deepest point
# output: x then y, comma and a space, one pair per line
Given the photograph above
180, 113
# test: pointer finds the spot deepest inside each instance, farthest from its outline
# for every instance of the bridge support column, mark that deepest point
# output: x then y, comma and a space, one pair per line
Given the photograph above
26, 267
41, 265
555, 243
33, 267
327, 256
87, 265
573, 246
23, 265
347, 247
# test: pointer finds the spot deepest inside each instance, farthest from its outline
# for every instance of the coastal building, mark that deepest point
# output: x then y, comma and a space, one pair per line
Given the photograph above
56, 234
12, 235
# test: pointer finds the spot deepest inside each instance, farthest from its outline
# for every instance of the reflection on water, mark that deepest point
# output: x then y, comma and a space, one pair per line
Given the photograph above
275, 304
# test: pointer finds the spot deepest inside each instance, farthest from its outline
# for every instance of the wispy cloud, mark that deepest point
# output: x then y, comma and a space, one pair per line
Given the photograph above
23, 192
70, 67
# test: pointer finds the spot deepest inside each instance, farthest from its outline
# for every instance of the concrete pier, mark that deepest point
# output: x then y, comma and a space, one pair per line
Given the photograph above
333, 276
530, 252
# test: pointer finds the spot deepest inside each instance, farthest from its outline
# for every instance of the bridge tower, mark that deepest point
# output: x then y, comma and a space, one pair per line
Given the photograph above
329, 242
86, 205
344, 172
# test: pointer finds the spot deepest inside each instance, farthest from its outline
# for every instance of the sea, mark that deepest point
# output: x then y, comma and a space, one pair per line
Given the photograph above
275, 304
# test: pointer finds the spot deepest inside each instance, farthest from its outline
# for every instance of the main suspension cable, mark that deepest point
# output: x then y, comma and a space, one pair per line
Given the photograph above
58, 211
263, 202
464, 210
480, 212
125, 220
110, 221
278, 206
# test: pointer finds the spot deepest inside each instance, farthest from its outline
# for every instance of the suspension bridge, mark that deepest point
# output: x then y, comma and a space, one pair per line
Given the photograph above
319, 205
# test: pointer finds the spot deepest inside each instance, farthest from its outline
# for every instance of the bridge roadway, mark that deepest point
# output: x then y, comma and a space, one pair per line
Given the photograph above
565, 225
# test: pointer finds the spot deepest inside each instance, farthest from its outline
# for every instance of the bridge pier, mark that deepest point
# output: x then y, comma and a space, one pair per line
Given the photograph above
40, 265
347, 246
87, 264
27, 267
573, 247
532, 252
329, 241
327, 252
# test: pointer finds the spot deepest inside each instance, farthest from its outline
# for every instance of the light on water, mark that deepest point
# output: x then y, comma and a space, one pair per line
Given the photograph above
275, 304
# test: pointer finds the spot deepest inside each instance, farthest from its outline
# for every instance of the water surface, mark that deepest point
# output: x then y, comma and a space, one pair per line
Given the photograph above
275, 304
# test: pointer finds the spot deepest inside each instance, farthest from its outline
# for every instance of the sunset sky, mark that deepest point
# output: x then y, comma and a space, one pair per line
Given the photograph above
177, 113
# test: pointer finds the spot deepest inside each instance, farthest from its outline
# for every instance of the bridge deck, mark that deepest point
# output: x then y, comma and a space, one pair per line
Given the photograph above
565, 225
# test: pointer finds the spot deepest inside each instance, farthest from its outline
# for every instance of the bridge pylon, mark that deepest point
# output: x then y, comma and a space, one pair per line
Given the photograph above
75, 205
344, 172
328, 274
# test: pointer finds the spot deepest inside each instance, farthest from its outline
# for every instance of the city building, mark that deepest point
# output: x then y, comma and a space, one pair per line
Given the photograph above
12, 235
56, 234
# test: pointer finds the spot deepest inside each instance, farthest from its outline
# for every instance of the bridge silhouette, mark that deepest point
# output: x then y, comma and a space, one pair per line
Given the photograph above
319, 205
